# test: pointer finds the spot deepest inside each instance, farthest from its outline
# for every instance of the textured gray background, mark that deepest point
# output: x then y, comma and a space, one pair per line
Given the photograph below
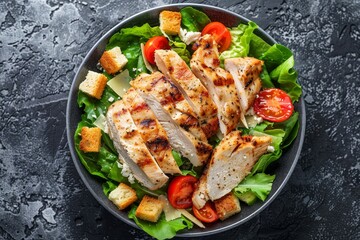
43, 41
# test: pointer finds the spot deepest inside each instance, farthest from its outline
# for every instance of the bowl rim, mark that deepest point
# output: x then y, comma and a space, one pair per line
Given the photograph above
78, 164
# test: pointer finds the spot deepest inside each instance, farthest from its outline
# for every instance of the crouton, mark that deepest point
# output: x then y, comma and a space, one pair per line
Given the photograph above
94, 84
170, 22
90, 139
113, 60
227, 206
149, 209
123, 196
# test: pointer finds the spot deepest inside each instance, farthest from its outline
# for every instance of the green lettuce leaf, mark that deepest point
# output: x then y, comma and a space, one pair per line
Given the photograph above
282, 135
260, 184
181, 49
275, 55
290, 128
185, 165
136, 34
258, 46
107, 187
291, 135
285, 75
193, 20
265, 160
214, 141
106, 160
162, 229
240, 41
279, 63
105, 138
115, 173
93, 107
265, 79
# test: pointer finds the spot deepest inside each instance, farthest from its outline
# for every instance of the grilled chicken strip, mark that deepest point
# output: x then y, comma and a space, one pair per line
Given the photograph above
175, 115
175, 68
246, 73
231, 162
131, 147
151, 131
205, 64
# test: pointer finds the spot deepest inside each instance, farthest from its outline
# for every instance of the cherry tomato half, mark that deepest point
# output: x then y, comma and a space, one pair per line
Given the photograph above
220, 33
273, 104
206, 214
155, 43
180, 191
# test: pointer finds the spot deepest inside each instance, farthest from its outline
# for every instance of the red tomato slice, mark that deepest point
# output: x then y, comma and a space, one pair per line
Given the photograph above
180, 191
273, 104
220, 33
206, 214
155, 43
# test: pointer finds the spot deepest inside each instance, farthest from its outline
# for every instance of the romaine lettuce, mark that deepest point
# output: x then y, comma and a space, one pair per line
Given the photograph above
184, 164
193, 20
93, 108
285, 76
260, 184
162, 229
240, 41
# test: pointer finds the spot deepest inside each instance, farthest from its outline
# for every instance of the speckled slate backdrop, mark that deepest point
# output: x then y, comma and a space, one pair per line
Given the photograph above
43, 42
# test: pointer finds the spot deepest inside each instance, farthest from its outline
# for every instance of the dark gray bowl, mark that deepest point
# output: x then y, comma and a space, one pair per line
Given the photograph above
283, 168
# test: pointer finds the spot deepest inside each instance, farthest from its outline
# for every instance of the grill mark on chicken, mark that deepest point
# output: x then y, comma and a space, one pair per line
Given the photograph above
158, 144
221, 81
216, 62
153, 135
139, 107
132, 148
130, 134
203, 149
144, 162
205, 64
249, 82
148, 123
175, 115
175, 68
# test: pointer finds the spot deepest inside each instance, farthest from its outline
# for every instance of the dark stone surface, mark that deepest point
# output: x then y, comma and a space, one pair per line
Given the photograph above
43, 42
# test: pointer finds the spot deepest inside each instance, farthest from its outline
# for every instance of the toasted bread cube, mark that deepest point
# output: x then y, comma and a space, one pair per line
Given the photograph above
149, 209
113, 60
90, 139
123, 196
227, 206
94, 84
170, 22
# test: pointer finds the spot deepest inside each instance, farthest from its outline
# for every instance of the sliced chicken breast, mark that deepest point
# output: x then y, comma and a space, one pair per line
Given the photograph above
205, 64
231, 162
246, 73
175, 68
129, 144
173, 113
151, 131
